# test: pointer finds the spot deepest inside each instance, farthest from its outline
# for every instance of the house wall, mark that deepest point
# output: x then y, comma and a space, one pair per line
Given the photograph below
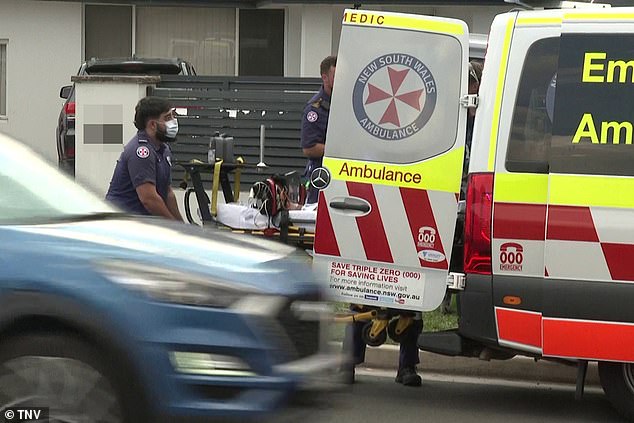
319, 29
44, 50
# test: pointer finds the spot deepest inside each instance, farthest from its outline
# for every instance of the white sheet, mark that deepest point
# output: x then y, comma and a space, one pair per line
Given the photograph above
241, 216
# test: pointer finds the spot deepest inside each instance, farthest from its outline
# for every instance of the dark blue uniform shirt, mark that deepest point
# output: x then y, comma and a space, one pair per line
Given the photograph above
140, 162
314, 125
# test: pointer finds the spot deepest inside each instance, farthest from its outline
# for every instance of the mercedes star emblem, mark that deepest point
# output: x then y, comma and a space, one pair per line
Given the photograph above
320, 178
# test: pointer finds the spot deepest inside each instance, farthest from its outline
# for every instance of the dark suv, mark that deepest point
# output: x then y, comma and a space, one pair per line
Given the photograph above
65, 132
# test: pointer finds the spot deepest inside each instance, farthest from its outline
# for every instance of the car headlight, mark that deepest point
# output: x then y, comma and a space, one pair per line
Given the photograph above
169, 285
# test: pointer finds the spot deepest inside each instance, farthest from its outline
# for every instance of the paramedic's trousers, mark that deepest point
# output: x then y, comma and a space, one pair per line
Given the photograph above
354, 346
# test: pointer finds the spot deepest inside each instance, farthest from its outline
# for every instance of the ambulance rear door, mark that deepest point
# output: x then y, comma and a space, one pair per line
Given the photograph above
393, 161
590, 229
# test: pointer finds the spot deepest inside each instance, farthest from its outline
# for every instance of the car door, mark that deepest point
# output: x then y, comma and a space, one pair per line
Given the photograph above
393, 160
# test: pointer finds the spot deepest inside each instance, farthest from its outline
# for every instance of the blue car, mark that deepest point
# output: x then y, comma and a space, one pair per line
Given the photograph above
106, 317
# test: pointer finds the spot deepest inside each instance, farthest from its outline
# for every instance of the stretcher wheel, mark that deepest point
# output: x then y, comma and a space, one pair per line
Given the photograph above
391, 331
377, 341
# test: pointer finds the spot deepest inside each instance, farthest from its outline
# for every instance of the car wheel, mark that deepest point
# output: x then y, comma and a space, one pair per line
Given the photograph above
70, 377
617, 380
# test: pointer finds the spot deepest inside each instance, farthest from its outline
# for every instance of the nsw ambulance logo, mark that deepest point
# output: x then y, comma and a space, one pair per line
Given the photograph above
394, 96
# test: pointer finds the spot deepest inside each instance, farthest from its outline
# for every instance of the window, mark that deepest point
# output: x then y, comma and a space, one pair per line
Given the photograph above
531, 129
108, 31
593, 132
261, 42
205, 37
3, 77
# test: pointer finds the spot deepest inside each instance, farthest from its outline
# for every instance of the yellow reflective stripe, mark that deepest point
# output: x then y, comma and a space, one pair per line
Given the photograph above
590, 190
498, 96
442, 173
521, 188
599, 16
539, 21
384, 19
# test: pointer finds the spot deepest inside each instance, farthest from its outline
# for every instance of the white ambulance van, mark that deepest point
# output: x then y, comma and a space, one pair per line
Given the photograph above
549, 226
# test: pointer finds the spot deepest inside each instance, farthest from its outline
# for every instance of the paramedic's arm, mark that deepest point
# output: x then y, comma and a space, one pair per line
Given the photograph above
314, 152
152, 201
172, 204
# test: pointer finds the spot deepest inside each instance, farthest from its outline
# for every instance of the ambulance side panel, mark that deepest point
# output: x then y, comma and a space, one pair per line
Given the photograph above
477, 319
563, 211
521, 180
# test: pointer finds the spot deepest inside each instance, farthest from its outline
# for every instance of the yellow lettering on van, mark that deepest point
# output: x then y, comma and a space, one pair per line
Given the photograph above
616, 128
588, 67
585, 129
623, 67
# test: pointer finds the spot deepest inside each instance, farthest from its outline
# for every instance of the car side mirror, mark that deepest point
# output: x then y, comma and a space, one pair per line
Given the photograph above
65, 91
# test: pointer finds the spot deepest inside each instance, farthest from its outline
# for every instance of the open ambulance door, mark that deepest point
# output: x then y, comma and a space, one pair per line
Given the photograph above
393, 162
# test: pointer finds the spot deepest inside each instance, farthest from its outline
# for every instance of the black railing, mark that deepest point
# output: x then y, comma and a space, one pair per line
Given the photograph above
238, 106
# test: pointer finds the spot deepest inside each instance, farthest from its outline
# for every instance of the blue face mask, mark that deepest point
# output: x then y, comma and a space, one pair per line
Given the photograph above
171, 128
170, 132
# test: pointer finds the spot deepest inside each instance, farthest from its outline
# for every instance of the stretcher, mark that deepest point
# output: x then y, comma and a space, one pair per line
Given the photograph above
381, 322
290, 226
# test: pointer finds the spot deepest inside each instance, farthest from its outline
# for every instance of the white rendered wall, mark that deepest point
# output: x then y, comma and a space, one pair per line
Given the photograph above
108, 103
316, 37
313, 31
44, 50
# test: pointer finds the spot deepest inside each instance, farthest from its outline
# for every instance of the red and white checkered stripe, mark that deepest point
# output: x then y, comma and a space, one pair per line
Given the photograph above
584, 243
567, 338
389, 233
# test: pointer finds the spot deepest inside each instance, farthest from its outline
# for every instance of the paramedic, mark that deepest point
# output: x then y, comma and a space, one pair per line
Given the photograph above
141, 182
315, 122
354, 348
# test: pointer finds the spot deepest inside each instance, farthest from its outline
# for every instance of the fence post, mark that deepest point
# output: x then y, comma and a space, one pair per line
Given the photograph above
262, 165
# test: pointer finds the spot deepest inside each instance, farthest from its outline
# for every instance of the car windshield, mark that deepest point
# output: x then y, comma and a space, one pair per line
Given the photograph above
33, 191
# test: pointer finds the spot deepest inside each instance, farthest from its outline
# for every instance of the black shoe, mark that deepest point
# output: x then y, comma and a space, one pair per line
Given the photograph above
347, 375
408, 377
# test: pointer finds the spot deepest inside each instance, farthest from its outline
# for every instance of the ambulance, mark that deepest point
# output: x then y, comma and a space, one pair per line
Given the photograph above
549, 221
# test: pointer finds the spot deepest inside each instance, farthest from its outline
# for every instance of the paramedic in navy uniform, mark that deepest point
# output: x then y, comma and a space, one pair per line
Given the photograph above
141, 183
354, 347
315, 122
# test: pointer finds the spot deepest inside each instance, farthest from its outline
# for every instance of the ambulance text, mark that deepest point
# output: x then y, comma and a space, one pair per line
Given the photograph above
587, 129
380, 173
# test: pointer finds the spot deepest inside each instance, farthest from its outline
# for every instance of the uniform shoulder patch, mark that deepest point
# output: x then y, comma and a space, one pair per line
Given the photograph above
312, 116
143, 152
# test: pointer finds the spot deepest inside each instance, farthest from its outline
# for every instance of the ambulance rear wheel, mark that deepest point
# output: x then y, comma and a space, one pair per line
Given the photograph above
376, 341
617, 380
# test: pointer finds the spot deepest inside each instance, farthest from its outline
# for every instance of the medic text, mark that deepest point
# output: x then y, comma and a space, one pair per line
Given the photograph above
363, 18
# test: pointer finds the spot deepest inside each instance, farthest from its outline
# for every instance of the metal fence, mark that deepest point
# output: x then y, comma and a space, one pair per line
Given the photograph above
237, 106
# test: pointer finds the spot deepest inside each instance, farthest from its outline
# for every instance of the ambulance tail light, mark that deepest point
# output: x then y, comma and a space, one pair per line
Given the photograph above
478, 215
